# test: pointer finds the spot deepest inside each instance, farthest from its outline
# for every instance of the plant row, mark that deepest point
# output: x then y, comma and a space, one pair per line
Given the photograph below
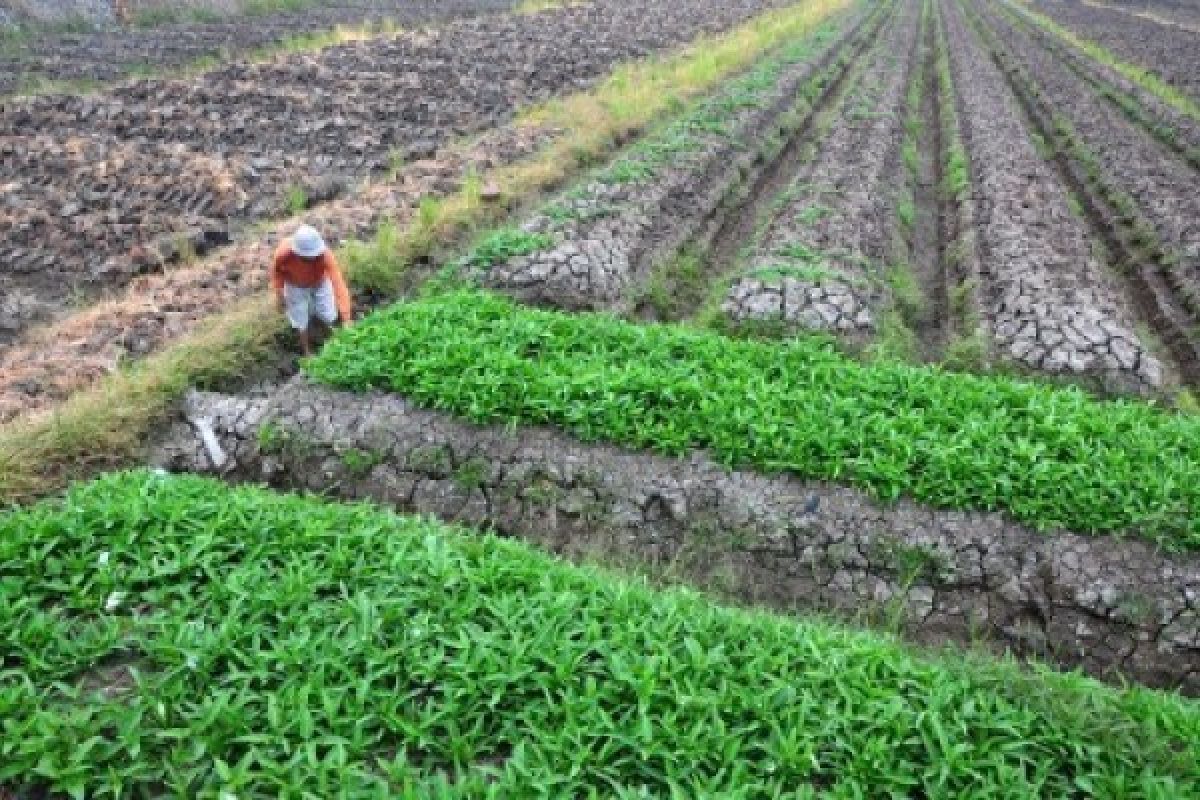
1048, 456
173, 636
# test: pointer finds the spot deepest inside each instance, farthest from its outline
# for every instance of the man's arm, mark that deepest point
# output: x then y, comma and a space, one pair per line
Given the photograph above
341, 294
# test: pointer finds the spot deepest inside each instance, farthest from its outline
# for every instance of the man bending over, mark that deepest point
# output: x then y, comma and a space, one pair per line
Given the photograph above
308, 282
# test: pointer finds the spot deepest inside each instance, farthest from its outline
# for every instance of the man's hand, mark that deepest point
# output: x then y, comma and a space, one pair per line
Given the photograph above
279, 305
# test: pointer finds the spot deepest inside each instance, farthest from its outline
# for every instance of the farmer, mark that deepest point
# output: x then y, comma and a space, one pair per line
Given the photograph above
308, 282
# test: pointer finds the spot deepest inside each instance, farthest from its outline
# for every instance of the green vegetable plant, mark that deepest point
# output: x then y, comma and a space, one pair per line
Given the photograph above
1049, 456
173, 636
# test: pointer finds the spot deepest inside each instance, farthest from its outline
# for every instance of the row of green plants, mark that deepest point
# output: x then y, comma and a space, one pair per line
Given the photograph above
172, 636
1048, 456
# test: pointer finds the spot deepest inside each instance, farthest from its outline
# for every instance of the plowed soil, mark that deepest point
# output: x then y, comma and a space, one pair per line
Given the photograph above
119, 52
96, 190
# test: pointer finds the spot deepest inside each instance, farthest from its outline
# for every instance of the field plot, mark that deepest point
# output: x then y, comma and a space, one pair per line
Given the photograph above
45, 60
601, 241
1143, 191
171, 636
893, 320
100, 188
907, 94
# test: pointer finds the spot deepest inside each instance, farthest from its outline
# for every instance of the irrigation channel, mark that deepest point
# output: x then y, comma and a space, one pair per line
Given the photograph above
879, 184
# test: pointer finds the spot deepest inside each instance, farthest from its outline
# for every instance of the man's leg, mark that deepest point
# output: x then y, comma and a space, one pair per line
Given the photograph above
298, 301
305, 341
325, 314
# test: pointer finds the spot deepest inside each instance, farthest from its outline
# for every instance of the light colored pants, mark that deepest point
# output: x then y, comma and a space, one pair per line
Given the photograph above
302, 304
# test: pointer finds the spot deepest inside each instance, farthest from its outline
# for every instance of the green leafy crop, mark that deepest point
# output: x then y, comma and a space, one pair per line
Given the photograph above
173, 637
1049, 456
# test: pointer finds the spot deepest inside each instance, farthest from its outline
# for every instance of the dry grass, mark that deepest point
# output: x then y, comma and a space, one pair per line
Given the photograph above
107, 425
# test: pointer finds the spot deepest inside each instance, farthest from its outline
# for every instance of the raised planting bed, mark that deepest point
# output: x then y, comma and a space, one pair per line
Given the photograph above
594, 246
1048, 303
1142, 193
821, 262
1048, 456
170, 635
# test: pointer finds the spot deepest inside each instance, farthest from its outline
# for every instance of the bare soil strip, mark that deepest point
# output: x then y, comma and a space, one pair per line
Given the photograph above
1114, 607
934, 325
1048, 304
1141, 196
97, 190
819, 261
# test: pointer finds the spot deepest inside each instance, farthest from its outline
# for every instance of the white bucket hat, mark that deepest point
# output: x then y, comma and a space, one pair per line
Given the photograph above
307, 243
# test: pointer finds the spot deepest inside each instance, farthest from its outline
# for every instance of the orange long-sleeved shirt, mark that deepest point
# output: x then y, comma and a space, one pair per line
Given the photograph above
287, 267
